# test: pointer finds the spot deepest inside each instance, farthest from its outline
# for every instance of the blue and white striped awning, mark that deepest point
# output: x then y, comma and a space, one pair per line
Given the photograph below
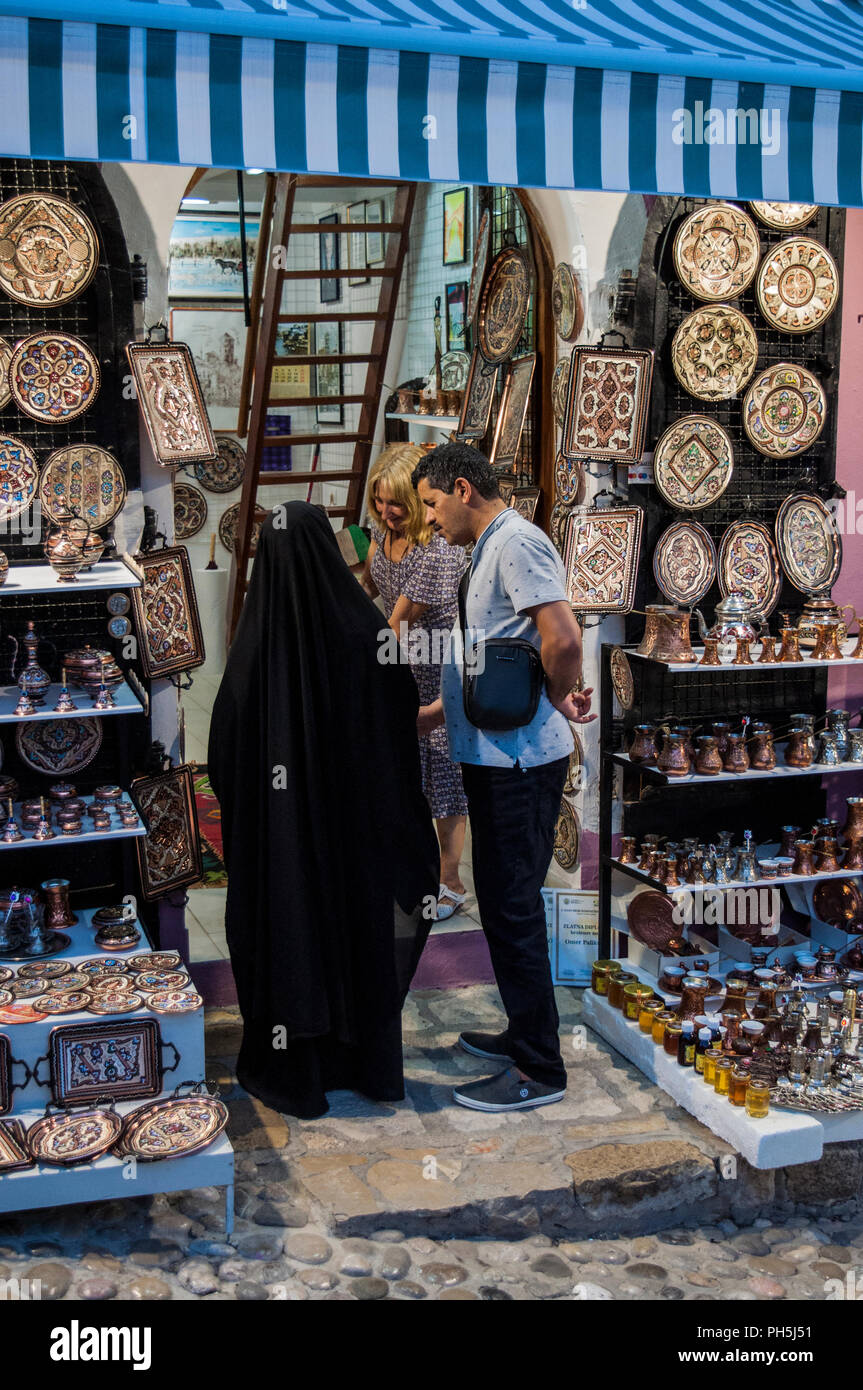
727, 98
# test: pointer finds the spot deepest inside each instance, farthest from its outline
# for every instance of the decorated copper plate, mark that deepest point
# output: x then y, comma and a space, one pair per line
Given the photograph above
504, 304
58, 1002
85, 480
76, 979
59, 746
168, 1128
621, 677
74, 1136
99, 965
228, 526
572, 785
693, 462
559, 387
684, 562
480, 261
154, 960
44, 970
116, 1001
650, 918
569, 480
798, 285
839, 902
749, 565
174, 1001
809, 543
190, 511
454, 367
784, 410
6, 997
566, 303
225, 472
784, 217
566, 837
5, 359
714, 352
154, 981
557, 526
716, 252
53, 377
19, 477
26, 989
48, 249
104, 984
6, 975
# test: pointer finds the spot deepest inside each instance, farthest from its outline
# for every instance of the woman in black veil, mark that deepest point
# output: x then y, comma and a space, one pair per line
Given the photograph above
328, 842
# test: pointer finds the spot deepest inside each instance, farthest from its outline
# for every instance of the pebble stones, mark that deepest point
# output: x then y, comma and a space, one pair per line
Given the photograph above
369, 1288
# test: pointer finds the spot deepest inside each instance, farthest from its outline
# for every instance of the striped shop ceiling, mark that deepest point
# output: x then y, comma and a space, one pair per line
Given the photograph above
725, 99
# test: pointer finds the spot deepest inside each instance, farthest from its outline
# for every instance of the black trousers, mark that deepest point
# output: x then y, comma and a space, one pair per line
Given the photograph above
513, 814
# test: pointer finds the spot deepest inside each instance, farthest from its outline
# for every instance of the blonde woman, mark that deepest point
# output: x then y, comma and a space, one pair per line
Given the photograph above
417, 576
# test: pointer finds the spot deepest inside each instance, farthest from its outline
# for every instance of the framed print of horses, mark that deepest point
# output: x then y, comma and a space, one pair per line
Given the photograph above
205, 257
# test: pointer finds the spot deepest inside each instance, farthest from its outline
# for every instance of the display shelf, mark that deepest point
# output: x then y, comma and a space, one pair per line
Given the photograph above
125, 701
443, 422
40, 579
781, 771
732, 883
119, 832
806, 663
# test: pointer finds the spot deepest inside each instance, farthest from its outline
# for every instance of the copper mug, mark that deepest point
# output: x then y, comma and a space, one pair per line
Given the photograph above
643, 747
674, 759
666, 634
803, 862
736, 758
827, 646
800, 748
708, 762
763, 755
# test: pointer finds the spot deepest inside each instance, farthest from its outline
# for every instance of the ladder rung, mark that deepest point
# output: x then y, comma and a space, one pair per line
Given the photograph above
338, 511
366, 271
274, 440
368, 317
309, 476
318, 400
309, 359
315, 228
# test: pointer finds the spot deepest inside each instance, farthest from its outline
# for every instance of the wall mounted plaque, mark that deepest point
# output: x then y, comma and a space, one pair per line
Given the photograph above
566, 304
558, 525
85, 480
798, 285
171, 403
559, 388
566, 837
19, 477
53, 377
601, 558
478, 398
809, 543
48, 249
225, 471
693, 462
169, 855
166, 612
569, 480
684, 562
514, 402
714, 352
120, 1060
228, 522
190, 511
504, 304
609, 392
480, 261
785, 217
59, 747
621, 677
784, 410
716, 251
7, 1085
749, 565
525, 501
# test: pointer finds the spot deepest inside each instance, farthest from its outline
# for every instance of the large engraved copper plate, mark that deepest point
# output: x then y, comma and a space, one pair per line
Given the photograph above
229, 521
19, 477
168, 1128
171, 403
693, 462
190, 511
48, 250
74, 1137
621, 677
478, 398
559, 388
5, 358
504, 304
566, 305
784, 217
798, 285
480, 261
716, 252
749, 565
839, 902
809, 543
59, 747
53, 377
784, 410
650, 918
609, 391
169, 855
684, 562
225, 472
603, 545
166, 613
566, 837
714, 352
85, 480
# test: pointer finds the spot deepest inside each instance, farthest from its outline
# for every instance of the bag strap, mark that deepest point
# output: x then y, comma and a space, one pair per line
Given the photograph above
463, 585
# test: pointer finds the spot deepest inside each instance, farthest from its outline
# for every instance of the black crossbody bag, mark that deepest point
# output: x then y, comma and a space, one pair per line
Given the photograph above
505, 693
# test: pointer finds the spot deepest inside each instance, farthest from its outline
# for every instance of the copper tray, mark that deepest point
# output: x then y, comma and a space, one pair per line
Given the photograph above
504, 304
716, 251
67, 1138
53, 377
784, 410
839, 902
714, 352
514, 402
13, 1147
55, 941
650, 918
480, 261
784, 217
478, 398
621, 677
84, 480
171, 403
175, 1127
559, 389
749, 565
798, 285
166, 613
226, 471
190, 511
169, 855
120, 1060
684, 562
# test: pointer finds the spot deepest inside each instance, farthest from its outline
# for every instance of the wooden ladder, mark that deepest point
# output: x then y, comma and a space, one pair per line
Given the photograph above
388, 276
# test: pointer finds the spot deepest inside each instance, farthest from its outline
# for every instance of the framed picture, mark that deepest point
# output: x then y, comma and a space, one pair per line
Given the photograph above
525, 500
328, 375
170, 400
456, 317
169, 855
375, 241
205, 258
478, 398
513, 409
328, 243
166, 613
455, 226
292, 340
217, 338
357, 245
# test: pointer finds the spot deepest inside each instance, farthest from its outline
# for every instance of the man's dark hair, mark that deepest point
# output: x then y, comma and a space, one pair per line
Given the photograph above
441, 466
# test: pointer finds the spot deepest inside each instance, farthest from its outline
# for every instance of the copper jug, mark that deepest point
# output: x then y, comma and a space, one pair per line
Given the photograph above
695, 989
736, 990
763, 755
708, 763
722, 729
736, 758
643, 746
674, 760
789, 834
800, 748
803, 852
827, 856
853, 860
790, 649
666, 634
648, 857
853, 827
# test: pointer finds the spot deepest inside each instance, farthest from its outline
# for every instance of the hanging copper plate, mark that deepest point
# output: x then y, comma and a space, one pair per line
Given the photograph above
225, 472
566, 837
784, 410
684, 562
569, 480
48, 249
693, 462
809, 543
572, 785
716, 252
566, 305
650, 918
6, 350
621, 677
454, 368
59, 747
19, 477
190, 511
839, 902
504, 304
228, 526
558, 524
53, 377
480, 261
84, 480
798, 285
559, 388
714, 352
785, 217
749, 565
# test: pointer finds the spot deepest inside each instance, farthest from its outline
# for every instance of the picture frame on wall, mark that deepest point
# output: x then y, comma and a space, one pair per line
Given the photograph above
328, 375
455, 212
357, 245
375, 241
205, 258
329, 259
292, 340
216, 335
457, 336
514, 402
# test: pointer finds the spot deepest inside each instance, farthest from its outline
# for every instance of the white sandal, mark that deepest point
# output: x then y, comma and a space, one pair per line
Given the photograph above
448, 902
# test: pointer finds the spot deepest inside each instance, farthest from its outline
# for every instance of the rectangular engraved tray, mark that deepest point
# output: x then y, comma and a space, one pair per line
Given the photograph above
121, 1060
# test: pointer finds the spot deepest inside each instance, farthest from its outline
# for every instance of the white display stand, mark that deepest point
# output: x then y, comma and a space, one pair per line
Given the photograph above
42, 579
125, 702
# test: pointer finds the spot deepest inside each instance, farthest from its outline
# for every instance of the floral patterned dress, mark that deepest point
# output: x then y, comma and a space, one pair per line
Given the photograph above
428, 574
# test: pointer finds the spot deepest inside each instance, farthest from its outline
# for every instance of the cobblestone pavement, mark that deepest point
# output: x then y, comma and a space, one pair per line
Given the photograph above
613, 1194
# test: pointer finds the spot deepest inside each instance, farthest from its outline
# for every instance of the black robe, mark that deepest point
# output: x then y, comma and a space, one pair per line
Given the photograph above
313, 756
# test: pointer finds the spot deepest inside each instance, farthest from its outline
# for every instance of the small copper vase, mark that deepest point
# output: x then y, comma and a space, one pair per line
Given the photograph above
735, 995
627, 850
643, 746
647, 860
827, 646
708, 763
789, 834
711, 652
827, 856
803, 861
763, 755
852, 830
736, 758
671, 879
790, 649
742, 658
800, 748
767, 656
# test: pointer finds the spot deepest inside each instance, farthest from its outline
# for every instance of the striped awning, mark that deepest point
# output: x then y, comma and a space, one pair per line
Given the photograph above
735, 98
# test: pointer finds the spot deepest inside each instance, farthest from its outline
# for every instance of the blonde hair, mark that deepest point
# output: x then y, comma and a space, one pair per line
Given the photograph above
395, 466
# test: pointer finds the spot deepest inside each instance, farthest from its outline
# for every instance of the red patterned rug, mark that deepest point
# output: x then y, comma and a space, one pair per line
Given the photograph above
210, 830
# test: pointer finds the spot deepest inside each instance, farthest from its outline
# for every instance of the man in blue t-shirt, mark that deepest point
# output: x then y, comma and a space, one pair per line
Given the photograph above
515, 589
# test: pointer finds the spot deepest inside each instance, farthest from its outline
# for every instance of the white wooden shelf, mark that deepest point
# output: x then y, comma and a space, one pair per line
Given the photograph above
697, 652
125, 701
118, 833
41, 579
635, 872
442, 422
751, 776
